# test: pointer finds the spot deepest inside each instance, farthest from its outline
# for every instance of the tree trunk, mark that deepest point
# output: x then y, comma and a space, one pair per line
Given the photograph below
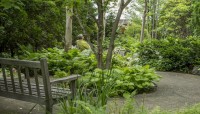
104, 22
148, 19
157, 16
154, 19
100, 34
113, 34
68, 31
143, 22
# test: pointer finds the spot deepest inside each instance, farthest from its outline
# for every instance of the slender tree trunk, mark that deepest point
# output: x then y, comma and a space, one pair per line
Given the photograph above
143, 22
104, 21
68, 31
100, 34
111, 46
113, 34
148, 18
154, 19
157, 16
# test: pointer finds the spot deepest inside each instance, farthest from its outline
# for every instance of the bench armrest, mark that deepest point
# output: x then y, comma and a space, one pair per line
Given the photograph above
66, 79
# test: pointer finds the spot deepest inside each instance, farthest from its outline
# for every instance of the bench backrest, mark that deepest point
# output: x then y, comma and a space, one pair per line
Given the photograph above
13, 85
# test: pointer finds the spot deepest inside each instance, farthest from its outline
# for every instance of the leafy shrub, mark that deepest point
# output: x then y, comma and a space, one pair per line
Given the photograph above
195, 109
128, 43
170, 54
5, 55
190, 110
84, 63
124, 76
58, 60
125, 79
60, 74
79, 106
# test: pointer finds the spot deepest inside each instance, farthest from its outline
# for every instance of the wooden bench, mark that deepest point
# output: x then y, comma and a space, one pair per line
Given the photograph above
37, 89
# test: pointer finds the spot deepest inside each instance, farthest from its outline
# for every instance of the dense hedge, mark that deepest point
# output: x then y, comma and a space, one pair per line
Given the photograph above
171, 54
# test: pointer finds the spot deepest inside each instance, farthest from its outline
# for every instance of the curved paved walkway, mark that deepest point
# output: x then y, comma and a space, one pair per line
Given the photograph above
175, 90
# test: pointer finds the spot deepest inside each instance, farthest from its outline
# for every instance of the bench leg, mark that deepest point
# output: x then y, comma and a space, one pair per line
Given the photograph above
73, 88
49, 108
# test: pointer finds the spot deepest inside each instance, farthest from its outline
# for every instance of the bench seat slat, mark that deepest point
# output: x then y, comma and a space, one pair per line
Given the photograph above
20, 78
28, 80
4, 77
37, 82
56, 91
12, 78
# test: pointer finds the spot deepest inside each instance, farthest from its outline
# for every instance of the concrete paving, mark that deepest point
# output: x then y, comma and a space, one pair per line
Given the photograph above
11, 106
175, 90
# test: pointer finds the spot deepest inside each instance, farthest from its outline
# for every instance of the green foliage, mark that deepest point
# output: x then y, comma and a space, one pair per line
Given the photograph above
36, 22
190, 110
129, 107
85, 11
60, 74
5, 55
7, 72
134, 29
70, 62
109, 24
175, 18
84, 63
7, 4
195, 17
124, 76
86, 106
170, 54
125, 79
127, 46
89, 109
128, 43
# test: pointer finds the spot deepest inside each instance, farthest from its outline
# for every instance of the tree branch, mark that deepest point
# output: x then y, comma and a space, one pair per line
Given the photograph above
127, 2
122, 3
113, 34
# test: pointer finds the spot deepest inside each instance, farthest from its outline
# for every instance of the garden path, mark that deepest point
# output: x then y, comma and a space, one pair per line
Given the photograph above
175, 90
